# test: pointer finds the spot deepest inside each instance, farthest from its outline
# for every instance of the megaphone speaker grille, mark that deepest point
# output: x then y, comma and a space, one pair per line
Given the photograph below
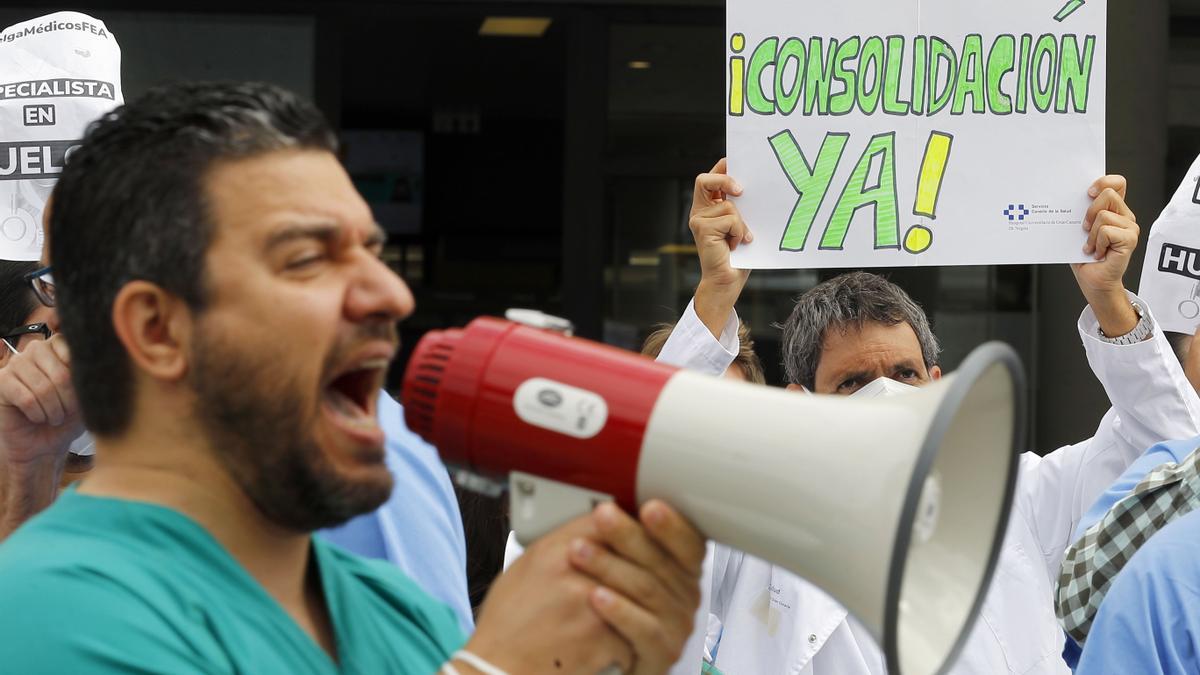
420, 395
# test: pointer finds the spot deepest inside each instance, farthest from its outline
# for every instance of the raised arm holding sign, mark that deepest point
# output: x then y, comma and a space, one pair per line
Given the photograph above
859, 327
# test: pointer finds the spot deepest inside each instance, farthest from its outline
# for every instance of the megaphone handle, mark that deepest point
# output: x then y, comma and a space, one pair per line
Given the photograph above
539, 505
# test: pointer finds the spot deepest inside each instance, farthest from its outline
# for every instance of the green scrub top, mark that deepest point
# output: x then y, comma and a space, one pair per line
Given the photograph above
98, 585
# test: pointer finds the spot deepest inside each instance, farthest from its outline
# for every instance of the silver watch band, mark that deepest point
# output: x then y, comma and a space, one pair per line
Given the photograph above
1143, 329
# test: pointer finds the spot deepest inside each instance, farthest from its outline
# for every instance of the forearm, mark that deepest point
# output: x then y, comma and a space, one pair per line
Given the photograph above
1152, 401
1113, 311
714, 302
480, 660
26, 489
1148, 389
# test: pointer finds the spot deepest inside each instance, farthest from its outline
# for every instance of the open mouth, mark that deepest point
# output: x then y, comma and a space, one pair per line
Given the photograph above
350, 399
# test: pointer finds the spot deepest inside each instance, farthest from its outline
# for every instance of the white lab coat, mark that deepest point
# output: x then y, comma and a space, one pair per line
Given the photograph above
774, 622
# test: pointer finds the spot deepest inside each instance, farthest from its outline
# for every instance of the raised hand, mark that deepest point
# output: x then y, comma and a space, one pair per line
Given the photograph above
39, 414
1112, 238
39, 417
718, 229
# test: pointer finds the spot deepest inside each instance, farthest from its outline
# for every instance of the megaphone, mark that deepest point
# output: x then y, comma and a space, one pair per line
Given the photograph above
894, 506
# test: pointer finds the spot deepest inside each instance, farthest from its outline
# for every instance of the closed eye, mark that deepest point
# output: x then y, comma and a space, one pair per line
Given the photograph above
376, 241
304, 261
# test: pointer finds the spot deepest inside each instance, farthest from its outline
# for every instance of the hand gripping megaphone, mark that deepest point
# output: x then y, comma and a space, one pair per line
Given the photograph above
894, 506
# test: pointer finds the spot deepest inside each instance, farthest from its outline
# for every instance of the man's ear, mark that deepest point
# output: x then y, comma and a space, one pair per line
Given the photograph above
5, 355
155, 327
935, 373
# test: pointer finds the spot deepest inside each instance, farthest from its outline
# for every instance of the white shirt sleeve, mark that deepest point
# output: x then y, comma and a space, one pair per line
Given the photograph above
1152, 401
692, 346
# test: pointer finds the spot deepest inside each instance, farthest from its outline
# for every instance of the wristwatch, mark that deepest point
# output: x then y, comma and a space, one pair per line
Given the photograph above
1143, 329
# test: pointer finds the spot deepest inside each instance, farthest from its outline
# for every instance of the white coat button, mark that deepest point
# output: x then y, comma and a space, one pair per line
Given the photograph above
812, 639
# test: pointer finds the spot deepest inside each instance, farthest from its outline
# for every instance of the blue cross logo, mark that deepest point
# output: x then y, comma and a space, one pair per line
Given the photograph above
1017, 212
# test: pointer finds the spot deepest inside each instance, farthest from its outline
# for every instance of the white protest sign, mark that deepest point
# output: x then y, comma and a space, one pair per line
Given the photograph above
886, 133
1171, 271
57, 74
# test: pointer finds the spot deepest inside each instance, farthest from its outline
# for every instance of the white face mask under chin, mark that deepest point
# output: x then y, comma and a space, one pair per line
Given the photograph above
884, 386
84, 446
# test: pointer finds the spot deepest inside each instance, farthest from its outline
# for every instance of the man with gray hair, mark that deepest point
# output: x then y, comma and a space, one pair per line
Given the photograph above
854, 303
859, 334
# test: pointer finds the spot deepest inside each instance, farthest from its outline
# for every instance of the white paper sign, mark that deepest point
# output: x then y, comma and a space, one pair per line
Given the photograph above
57, 74
886, 133
1171, 271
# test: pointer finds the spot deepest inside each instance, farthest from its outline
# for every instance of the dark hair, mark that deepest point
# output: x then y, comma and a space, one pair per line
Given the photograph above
17, 300
130, 205
848, 300
485, 526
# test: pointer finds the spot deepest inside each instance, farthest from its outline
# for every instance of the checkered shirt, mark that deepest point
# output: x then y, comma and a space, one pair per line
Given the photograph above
1166, 494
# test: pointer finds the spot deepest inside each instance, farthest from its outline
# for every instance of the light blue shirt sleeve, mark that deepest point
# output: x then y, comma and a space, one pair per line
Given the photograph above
1156, 456
1149, 622
420, 528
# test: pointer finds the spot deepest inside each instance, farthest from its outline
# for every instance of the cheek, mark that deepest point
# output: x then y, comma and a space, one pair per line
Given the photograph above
290, 329
825, 388
43, 314
283, 329
294, 312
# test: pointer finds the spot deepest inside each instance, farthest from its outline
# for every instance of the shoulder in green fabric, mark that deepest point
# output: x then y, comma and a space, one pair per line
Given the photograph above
409, 630
110, 586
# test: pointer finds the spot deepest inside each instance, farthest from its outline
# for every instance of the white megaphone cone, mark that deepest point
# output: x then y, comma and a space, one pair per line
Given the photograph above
894, 506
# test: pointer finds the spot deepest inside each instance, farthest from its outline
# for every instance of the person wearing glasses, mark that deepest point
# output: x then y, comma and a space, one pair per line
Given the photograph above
23, 317
30, 330
42, 441
40, 425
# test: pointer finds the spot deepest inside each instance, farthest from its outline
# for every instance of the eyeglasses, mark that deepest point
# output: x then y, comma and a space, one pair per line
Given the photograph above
43, 285
11, 339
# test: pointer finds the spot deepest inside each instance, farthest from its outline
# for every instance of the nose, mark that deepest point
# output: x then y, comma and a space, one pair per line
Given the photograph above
52, 321
378, 293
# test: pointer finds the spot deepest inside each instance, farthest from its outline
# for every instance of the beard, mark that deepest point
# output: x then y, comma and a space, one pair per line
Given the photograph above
254, 411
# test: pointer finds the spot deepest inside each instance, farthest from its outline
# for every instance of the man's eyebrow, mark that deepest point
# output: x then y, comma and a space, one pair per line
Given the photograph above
906, 364
324, 231
377, 237
856, 375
